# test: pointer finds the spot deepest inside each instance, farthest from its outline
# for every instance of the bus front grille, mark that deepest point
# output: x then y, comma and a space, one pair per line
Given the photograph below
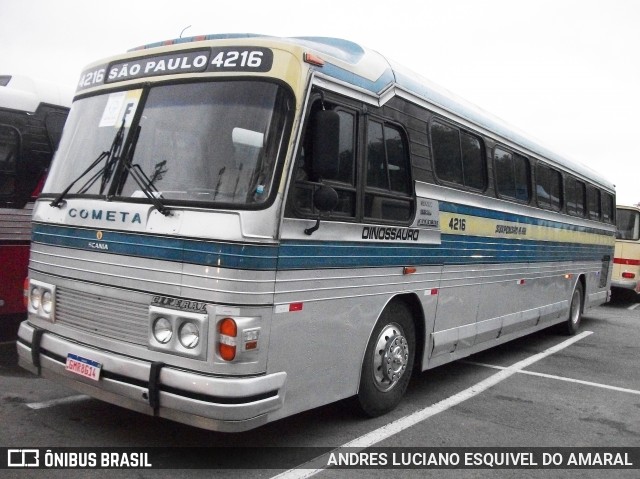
103, 316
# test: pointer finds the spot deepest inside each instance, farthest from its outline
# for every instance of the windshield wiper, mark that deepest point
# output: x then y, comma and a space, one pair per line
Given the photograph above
139, 176
111, 157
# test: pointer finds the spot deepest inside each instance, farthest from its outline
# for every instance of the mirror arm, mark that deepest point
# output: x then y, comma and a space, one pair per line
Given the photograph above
314, 228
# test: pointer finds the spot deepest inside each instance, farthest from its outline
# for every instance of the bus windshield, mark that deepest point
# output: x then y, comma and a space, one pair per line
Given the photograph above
628, 224
212, 142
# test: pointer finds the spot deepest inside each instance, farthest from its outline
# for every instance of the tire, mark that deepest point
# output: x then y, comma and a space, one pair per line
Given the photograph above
572, 324
392, 343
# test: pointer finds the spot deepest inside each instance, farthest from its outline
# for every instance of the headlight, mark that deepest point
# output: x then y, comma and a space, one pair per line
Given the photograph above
183, 333
47, 301
189, 335
36, 298
41, 299
162, 330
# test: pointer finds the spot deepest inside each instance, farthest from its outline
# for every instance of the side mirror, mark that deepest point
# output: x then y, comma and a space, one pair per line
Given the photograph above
325, 143
325, 199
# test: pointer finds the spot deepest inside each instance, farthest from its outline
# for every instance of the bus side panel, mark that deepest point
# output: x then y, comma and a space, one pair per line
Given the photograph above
458, 298
323, 320
14, 260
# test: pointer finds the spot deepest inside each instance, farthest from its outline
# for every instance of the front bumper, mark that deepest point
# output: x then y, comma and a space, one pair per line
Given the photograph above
229, 404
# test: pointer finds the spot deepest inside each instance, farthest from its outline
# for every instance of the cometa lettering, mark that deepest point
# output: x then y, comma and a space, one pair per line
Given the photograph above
389, 233
106, 215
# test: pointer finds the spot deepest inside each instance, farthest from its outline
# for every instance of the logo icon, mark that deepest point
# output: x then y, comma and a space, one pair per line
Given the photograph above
99, 235
23, 458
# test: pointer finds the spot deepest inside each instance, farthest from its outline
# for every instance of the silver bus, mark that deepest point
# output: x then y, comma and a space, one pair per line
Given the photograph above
237, 228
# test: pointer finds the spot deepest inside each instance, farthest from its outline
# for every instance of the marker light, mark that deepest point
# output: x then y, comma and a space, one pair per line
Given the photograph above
162, 330
628, 275
228, 330
313, 59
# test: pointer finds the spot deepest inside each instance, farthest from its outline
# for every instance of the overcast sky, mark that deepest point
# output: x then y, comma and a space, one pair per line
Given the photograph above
566, 72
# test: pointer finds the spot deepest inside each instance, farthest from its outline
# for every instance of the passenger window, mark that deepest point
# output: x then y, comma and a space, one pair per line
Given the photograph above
607, 208
512, 175
575, 197
458, 156
548, 187
388, 190
593, 203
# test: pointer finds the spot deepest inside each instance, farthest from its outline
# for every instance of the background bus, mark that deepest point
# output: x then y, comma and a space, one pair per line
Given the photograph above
626, 261
237, 228
32, 114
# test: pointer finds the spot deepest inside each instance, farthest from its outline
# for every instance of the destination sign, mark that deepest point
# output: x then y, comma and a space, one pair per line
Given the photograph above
204, 60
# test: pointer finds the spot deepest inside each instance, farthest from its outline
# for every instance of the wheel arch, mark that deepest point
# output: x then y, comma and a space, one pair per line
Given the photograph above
412, 301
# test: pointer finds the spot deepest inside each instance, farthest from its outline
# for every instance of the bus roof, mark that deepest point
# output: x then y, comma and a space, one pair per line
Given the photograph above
367, 69
19, 92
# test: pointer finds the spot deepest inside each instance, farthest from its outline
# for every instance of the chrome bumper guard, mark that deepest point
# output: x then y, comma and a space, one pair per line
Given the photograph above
210, 402
631, 284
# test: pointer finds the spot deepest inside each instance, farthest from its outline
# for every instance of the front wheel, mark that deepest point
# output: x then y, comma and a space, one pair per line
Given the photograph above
388, 361
572, 324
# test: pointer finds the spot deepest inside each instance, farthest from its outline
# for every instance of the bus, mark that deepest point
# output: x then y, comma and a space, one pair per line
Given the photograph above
626, 260
32, 113
237, 228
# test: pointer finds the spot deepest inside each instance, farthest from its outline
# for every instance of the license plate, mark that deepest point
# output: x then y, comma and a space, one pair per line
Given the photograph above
83, 366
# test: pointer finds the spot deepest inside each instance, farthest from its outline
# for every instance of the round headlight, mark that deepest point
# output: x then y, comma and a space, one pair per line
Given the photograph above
47, 301
36, 298
162, 330
189, 335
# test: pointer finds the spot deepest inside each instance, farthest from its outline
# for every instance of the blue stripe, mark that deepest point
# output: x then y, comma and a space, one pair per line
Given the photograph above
454, 250
207, 253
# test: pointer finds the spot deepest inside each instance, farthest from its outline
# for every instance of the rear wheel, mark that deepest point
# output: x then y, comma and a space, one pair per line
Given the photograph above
388, 361
575, 311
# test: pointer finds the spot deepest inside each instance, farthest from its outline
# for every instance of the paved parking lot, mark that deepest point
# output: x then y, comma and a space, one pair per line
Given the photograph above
546, 390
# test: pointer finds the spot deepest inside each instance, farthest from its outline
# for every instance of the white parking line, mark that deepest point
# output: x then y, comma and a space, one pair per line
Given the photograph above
57, 402
314, 466
633, 306
561, 378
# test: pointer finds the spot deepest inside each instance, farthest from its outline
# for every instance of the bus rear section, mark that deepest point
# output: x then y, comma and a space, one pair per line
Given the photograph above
32, 113
626, 262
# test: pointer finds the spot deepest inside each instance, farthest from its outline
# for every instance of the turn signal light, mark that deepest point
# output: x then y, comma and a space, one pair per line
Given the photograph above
228, 330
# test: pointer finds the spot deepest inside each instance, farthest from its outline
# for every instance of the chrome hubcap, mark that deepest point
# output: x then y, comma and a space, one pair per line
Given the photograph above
390, 358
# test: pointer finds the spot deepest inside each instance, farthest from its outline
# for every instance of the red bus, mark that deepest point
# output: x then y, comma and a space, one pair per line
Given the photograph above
32, 114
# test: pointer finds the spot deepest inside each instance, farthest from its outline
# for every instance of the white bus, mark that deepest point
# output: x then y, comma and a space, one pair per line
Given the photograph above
32, 113
626, 260
237, 228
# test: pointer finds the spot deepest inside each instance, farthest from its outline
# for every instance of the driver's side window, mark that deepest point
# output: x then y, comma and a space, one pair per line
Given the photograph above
345, 178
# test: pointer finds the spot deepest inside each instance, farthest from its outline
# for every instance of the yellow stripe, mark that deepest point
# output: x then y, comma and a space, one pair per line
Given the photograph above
453, 223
